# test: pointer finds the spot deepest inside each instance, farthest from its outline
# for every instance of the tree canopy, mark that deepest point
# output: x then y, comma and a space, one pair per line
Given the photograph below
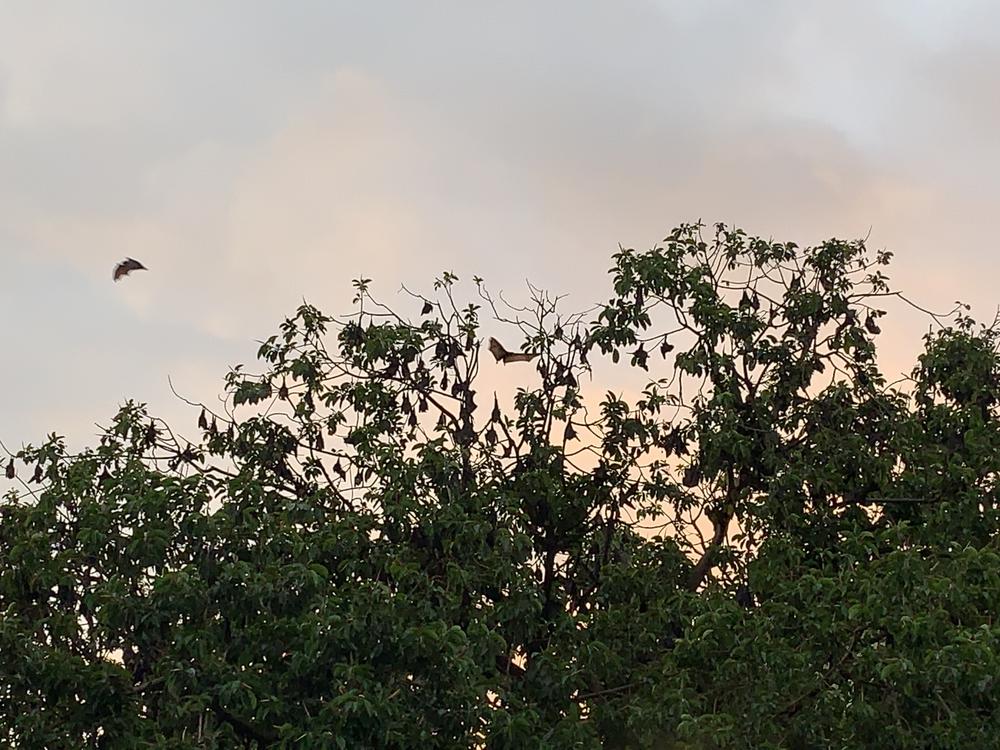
766, 545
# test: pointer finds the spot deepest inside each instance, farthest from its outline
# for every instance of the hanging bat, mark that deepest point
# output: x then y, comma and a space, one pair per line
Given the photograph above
126, 267
502, 355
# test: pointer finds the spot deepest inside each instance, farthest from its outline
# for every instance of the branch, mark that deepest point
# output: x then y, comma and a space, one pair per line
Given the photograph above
704, 565
242, 727
606, 691
509, 668
899, 500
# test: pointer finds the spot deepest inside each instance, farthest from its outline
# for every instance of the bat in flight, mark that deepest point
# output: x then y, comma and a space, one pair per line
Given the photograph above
126, 267
502, 355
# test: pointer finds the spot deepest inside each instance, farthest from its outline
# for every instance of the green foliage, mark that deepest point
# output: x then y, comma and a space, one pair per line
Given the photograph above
767, 547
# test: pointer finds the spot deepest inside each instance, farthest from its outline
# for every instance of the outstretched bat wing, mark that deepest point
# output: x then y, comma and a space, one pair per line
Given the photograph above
502, 355
126, 267
496, 349
518, 357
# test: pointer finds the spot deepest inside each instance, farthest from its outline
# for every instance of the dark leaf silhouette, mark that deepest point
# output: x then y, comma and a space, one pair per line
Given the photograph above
640, 357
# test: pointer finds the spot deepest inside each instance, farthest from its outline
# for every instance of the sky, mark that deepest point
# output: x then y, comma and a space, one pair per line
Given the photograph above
255, 154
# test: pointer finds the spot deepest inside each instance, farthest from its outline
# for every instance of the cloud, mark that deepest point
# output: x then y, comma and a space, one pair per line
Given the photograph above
254, 154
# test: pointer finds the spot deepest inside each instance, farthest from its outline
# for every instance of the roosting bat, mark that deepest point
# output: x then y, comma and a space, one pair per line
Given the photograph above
502, 355
126, 267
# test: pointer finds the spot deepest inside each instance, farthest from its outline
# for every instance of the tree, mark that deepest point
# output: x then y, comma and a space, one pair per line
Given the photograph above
769, 546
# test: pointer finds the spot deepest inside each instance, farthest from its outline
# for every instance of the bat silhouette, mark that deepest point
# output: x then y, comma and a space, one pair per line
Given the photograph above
502, 355
126, 267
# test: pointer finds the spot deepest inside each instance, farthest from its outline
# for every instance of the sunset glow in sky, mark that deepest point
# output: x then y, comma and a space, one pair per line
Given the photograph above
253, 154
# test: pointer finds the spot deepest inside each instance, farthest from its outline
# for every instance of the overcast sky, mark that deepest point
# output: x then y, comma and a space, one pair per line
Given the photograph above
252, 154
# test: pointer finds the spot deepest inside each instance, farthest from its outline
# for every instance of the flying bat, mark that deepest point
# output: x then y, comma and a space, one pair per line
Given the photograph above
126, 267
502, 355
